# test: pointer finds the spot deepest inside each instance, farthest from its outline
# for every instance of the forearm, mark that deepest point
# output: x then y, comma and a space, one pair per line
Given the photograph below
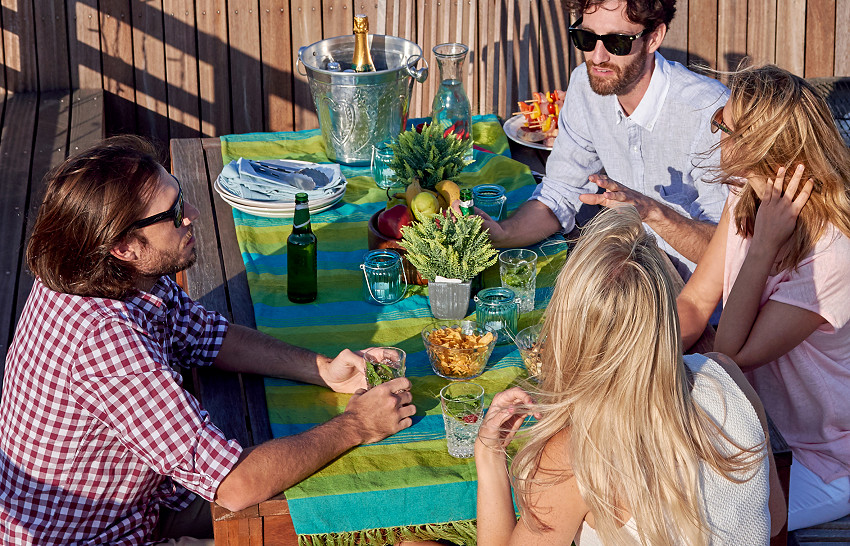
530, 224
250, 351
691, 321
689, 237
742, 305
278, 464
496, 517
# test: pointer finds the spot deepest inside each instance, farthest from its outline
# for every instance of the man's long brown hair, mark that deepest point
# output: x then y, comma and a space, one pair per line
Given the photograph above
91, 202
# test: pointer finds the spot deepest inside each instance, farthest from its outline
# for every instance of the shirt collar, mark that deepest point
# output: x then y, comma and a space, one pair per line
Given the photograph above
158, 297
649, 108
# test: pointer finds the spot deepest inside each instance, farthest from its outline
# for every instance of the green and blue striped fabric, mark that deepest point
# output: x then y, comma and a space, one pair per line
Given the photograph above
406, 486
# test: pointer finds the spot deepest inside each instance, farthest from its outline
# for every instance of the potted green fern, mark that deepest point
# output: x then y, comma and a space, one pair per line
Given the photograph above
431, 155
448, 251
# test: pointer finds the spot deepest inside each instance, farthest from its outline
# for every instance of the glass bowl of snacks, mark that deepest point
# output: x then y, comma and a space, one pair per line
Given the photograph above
528, 342
458, 350
383, 364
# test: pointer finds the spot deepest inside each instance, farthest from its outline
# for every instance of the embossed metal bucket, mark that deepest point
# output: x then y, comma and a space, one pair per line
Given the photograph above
357, 110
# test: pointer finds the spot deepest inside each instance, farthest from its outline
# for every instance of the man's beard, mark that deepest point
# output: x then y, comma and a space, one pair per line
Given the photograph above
627, 76
167, 263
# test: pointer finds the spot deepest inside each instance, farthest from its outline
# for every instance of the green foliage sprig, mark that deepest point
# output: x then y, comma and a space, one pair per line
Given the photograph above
455, 247
429, 156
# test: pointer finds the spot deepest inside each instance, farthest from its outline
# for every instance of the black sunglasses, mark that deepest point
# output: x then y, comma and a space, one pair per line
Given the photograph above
717, 122
175, 213
616, 44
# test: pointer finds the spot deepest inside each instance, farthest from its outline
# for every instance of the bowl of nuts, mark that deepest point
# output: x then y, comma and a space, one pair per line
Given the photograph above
529, 343
458, 350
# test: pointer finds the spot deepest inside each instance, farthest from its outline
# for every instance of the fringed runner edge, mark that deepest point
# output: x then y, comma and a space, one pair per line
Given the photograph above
458, 532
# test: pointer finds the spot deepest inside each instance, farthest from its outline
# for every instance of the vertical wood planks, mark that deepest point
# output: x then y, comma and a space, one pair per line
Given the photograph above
277, 65
181, 68
83, 27
731, 33
116, 42
306, 29
213, 67
554, 45
149, 65
842, 38
52, 44
820, 25
761, 31
243, 21
19, 45
702, 32
675, 45
791, 35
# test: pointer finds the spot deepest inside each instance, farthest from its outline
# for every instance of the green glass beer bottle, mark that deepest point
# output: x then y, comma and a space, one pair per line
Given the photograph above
466, 206
301, 259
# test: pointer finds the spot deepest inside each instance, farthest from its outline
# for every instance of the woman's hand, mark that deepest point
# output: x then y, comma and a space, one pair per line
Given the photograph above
777, 214
506, 414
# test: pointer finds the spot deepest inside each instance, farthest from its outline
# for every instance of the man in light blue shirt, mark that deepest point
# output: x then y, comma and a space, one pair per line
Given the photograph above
645, 121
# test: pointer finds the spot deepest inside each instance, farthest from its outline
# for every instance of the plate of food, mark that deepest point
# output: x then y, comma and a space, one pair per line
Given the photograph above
536, 123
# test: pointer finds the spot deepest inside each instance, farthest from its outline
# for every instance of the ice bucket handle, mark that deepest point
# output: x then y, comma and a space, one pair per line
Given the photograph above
299, 64
418, 74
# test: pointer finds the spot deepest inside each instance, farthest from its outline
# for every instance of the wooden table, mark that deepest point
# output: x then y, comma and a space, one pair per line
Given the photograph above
236, 402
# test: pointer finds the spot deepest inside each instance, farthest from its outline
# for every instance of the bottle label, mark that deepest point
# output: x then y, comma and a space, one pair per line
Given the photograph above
466, 207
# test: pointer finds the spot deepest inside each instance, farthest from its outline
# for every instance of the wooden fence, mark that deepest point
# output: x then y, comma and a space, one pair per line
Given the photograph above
177, 68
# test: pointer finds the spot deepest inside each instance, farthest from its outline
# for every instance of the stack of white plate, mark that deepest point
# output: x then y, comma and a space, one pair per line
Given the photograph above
284, 209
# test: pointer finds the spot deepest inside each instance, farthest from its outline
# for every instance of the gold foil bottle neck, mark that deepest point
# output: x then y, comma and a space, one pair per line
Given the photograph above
362, 60
361, 24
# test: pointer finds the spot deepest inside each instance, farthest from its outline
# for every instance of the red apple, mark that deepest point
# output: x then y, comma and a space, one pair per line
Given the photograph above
392, 220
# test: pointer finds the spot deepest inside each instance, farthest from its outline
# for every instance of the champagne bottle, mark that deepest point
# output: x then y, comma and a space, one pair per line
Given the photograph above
301, 259
466, 205
362, 61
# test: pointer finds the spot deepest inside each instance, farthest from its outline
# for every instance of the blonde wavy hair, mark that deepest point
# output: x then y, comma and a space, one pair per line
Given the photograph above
613, 375
780, 120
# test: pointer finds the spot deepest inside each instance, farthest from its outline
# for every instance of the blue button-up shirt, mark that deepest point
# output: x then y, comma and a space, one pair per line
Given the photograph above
664, 150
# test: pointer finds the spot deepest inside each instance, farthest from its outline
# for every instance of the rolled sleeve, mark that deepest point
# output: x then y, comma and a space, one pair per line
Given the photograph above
125, 384
197, 334
573, 159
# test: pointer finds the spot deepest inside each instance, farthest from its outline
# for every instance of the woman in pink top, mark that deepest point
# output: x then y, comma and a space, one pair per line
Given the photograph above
780, 260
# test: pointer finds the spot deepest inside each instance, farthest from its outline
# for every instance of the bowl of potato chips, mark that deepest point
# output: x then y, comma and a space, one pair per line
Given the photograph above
458, 350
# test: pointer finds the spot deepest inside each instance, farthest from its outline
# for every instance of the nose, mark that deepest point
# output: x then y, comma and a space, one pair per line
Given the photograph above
190, 213
599, 54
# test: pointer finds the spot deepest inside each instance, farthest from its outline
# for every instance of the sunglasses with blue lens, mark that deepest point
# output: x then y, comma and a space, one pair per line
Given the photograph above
616, 44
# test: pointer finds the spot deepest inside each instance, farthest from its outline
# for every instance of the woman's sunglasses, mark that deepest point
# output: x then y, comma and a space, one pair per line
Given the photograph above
174, 213
616, 44
717, 122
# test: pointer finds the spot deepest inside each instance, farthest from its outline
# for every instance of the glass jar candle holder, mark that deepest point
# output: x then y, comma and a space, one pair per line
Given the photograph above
384, 279
497, 310
491, 199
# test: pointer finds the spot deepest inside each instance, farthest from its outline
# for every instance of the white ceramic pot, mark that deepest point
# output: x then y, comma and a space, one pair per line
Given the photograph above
449, 300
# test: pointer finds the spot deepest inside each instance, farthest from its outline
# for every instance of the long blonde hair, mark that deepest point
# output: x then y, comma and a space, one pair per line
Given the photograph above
780, 119
613, 375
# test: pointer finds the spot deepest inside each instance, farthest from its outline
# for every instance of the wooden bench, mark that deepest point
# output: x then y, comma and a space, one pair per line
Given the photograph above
833, 532
39, 130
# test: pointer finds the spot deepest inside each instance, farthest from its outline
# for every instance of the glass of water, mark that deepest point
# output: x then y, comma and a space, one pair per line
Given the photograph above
463, 410
518, 271
382, 156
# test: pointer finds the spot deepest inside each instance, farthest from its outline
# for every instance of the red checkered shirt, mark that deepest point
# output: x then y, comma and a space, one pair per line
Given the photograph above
96, 431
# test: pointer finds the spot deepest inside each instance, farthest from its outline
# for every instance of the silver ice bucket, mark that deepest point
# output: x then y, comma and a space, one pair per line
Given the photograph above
357, 110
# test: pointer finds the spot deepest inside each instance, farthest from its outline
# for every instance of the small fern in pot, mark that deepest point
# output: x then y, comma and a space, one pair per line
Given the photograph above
430, 156
449, 251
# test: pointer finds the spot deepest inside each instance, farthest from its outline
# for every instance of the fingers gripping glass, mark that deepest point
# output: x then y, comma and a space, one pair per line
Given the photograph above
717, 122
175, 213
616, 44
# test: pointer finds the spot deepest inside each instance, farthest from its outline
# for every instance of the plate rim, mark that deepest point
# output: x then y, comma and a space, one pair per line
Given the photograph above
513, 134
278, 205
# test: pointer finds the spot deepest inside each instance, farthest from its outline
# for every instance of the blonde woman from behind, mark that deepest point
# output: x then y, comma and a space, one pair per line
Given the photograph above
633, 444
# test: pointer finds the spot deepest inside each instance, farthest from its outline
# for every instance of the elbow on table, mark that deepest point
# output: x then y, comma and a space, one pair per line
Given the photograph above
236, 493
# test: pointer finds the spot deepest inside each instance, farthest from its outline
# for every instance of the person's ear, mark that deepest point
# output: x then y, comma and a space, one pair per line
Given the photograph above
654, 38
127, 249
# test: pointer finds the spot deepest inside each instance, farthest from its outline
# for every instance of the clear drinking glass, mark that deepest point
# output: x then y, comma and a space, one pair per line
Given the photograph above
383, 364
518, 271
463, 410
382, 156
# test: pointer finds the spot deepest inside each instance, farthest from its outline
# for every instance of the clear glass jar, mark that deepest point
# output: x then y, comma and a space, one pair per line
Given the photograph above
451, 110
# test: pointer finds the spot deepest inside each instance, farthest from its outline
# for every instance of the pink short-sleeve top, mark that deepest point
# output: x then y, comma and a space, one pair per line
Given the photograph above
807, 391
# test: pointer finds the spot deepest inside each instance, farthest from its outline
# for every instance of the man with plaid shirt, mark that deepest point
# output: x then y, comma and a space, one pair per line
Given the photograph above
99, 442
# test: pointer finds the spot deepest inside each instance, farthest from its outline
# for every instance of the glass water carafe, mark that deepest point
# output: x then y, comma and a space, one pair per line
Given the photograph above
450, 109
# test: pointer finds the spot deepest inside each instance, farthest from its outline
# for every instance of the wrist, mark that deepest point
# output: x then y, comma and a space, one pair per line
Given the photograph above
350, 429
